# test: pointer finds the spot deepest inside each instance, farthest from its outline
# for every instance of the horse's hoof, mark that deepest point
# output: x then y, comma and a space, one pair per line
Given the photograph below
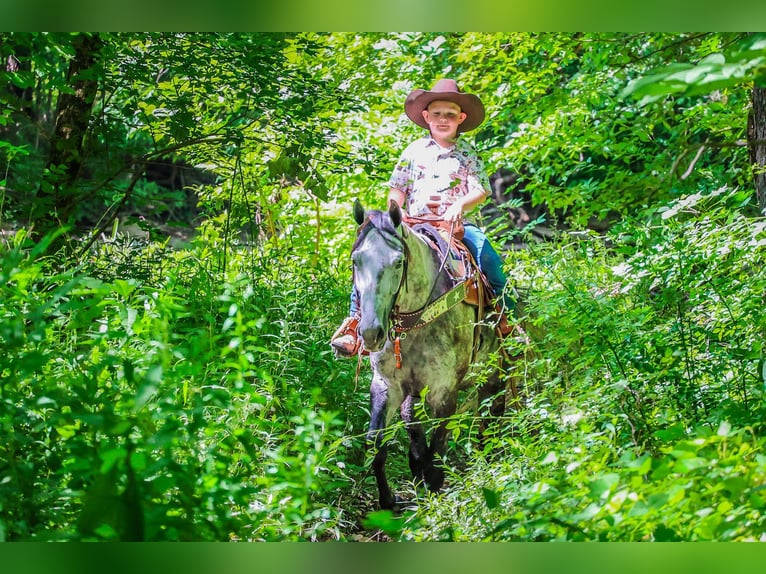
395, 504
435, 480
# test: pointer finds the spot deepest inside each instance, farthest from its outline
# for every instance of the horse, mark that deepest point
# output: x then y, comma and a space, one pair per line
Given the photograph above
399, 276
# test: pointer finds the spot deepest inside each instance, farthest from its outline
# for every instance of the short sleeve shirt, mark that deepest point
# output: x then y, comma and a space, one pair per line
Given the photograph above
426, 171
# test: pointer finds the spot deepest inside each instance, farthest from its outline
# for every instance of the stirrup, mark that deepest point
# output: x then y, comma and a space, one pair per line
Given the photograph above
499, 320
345, 341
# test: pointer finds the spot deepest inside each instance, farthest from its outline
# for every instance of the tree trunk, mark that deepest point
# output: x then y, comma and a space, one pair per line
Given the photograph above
756, 135
68, 140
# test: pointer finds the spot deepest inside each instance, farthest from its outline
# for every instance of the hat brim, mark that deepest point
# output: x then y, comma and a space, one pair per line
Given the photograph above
419, 100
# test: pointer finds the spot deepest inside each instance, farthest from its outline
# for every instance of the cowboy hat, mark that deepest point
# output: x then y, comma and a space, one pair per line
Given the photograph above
445, 90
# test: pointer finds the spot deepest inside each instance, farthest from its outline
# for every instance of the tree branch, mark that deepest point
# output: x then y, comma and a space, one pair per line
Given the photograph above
696, 157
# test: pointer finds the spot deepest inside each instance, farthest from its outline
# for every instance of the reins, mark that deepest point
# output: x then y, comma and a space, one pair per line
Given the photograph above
403, 322
431, 220
400, 332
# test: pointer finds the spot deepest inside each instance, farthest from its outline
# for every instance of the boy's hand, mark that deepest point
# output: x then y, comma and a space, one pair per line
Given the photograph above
454, 212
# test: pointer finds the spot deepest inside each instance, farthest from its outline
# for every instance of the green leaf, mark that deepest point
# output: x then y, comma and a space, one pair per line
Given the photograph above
640, 465
148, 387
601, 487
588, 512
671, 433
688, 464
491, 498
67, 431
386, 521
658, 500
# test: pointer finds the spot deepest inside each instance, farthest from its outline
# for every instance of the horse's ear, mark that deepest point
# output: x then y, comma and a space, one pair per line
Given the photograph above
395, 212
358, 212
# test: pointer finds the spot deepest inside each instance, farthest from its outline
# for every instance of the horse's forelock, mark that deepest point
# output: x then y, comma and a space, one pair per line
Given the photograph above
376, 220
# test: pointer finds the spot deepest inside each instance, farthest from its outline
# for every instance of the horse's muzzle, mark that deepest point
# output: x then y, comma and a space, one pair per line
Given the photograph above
374, 337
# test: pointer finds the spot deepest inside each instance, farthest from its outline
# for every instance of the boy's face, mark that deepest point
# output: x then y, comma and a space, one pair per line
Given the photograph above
443, 118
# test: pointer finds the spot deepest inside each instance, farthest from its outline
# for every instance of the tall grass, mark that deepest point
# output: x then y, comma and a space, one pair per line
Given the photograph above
193, 402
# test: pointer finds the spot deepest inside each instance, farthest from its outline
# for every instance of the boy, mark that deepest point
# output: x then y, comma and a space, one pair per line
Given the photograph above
439, 175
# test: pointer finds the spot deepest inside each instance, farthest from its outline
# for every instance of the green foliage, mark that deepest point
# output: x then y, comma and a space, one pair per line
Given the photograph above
713, 72
706, 487
134, 412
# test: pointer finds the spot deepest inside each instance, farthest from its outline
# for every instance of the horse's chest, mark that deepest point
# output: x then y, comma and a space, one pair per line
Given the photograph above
433, 361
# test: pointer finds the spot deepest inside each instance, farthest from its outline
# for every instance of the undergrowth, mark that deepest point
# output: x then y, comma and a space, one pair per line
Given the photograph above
158, 394
197, 402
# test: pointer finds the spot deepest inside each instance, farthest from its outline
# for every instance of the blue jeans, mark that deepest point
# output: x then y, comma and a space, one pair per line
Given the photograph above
489, 262
486, 257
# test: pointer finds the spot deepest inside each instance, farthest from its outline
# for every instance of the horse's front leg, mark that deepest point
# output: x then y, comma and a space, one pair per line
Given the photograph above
419, 454
375, 439
434, 470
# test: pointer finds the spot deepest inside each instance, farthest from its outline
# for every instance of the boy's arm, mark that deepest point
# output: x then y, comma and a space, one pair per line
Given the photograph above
455, 211
478, 188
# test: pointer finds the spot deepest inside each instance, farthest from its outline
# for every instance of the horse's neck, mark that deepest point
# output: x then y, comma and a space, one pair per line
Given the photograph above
424, 281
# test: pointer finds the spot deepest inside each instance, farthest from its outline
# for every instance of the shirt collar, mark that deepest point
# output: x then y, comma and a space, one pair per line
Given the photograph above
432, 142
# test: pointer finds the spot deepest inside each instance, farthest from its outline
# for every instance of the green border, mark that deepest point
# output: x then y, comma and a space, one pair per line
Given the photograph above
336, 558
383, 15
377, 15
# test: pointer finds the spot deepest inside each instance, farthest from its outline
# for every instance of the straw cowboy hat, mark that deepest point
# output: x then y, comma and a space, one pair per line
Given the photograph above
445, 90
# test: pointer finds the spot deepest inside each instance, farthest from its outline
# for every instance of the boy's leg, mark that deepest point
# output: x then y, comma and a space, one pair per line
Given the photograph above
490, 263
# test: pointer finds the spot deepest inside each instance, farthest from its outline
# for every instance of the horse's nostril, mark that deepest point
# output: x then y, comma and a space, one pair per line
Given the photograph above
373, 337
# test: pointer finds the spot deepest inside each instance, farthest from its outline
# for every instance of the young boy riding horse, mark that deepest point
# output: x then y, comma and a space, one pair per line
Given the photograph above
440, 175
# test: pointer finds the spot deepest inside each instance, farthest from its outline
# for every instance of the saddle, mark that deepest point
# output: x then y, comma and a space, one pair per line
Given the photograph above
446, 239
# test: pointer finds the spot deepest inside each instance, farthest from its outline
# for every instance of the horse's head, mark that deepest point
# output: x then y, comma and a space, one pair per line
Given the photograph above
379, 256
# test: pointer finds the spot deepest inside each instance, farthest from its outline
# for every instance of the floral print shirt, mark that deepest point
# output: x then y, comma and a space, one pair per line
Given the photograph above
427, 170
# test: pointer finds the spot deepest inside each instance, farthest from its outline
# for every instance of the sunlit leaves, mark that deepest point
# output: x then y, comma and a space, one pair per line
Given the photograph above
646, 420
713, 72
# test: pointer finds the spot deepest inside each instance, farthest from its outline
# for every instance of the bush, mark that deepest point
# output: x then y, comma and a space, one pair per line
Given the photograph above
173, 408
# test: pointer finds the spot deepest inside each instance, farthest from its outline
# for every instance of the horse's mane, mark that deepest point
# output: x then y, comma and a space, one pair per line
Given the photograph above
381, 221
432, 233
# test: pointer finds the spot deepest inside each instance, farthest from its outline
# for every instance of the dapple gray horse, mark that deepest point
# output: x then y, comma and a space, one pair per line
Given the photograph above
397, 273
